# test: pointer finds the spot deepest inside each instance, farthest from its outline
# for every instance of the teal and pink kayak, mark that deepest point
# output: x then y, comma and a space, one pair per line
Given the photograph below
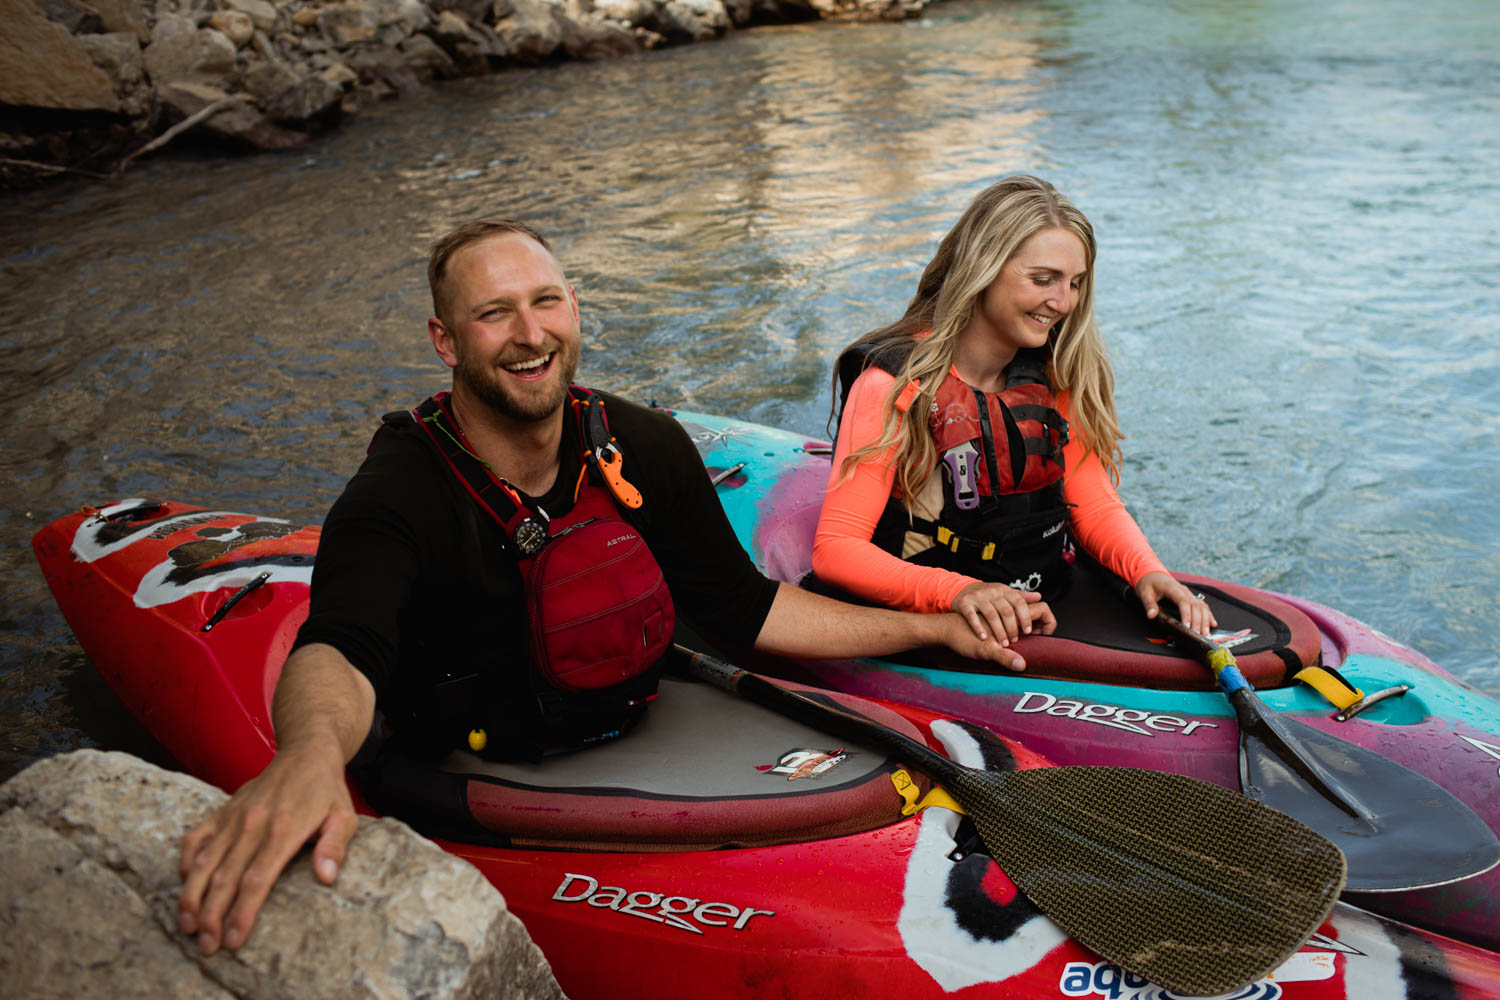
1153, 708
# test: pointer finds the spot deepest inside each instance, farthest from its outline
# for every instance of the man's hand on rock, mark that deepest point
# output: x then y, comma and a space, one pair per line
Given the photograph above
231, 860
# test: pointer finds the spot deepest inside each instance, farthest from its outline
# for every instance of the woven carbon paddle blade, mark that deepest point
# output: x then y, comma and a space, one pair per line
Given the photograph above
1198, 889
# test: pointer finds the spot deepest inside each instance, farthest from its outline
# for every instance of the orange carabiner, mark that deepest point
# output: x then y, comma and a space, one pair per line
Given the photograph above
610, 461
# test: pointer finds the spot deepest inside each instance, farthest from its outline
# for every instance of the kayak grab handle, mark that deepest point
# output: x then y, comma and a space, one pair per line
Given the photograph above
1371, 699
716, 480
234, 599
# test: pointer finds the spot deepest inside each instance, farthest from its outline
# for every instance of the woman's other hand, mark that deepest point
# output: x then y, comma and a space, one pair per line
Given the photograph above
993, 609
1192, 610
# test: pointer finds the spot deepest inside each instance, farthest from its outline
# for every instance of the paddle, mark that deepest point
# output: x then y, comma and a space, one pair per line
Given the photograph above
1398, 829
1198, 889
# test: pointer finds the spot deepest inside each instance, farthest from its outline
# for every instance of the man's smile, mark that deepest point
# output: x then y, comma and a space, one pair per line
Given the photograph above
531, 366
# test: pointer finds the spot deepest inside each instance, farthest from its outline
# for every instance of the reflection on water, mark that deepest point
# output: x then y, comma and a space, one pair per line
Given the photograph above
1297, 279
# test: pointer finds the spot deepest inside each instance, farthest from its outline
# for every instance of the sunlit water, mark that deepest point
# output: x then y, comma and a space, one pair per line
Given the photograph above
1297, 279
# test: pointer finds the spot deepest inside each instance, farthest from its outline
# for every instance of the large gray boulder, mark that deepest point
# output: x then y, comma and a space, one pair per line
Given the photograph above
88, 903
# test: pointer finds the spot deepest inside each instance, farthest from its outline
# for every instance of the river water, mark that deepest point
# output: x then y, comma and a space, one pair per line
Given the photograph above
1299, 281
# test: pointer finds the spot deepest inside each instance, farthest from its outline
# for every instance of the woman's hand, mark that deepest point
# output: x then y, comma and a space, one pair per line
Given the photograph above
1192, 610
1004, 612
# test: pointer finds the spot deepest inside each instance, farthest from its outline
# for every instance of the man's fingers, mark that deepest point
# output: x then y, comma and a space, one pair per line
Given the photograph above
244, 834
192, 843
255, 884
203, 852
333, 841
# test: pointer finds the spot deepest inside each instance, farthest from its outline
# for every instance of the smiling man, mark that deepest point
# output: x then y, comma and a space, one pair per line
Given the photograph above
439, 566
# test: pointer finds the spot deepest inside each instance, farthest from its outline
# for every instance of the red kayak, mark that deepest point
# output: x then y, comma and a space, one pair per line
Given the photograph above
718, 850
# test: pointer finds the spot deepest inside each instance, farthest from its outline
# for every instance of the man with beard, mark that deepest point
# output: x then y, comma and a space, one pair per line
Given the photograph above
419, 600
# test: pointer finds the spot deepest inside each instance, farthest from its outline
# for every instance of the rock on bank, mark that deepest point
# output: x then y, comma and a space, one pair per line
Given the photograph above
85, 83
88, 903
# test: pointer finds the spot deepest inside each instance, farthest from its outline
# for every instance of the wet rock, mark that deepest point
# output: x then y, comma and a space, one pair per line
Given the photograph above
88, 903
339, 75
78, 18
235, 26
632, 12
692, 20
346, 24
385, 21
236, 125
294, 97
118, 54
596, 37
383, 70
867, 10
529, 31
43, 66
427, 59
123, 15
468, 45
261, 13
184, 53
473, 11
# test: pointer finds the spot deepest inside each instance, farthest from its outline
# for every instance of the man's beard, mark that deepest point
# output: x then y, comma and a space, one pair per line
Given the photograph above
523, 402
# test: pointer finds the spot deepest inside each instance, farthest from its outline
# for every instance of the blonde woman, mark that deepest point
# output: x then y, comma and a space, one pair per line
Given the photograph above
978, 445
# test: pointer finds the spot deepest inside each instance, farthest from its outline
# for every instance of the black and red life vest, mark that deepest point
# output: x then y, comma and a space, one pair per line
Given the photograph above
1001, 458
597, 605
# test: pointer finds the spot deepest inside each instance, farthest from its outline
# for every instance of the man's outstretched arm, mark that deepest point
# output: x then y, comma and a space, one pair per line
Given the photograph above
322, 712
801, 623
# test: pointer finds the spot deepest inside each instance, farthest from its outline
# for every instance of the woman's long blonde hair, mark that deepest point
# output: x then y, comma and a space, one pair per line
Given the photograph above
1003, 216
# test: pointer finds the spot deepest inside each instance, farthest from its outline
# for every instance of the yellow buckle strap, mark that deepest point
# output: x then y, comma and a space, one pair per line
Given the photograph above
988, 552
1339, 692
948, 538
908, 791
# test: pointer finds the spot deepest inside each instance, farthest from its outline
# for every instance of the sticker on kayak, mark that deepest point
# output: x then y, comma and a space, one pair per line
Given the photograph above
1225, 639
965, 923
221, 549
1104, 979
806, 763
707, 437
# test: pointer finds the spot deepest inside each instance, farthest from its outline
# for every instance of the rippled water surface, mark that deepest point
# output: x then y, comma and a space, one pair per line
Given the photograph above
1298, 280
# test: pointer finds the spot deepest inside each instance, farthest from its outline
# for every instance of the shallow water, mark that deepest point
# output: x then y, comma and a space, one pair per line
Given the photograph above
1297, 279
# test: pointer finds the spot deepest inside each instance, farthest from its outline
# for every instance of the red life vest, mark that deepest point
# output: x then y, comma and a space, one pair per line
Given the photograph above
599, 611
1001, 458
1020, 423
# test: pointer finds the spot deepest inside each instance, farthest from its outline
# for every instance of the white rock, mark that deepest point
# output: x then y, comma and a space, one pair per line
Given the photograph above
88, 903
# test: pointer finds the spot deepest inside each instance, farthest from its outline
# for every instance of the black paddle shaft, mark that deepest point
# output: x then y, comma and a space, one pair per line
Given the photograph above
1398, 829
1190, 885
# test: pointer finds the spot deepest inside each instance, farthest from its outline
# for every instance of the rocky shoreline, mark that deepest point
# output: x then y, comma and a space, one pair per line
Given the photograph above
86, 86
